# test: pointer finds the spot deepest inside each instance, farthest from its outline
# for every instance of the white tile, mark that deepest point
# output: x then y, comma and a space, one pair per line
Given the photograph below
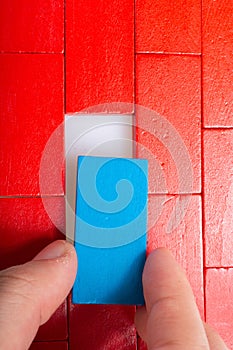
94, 135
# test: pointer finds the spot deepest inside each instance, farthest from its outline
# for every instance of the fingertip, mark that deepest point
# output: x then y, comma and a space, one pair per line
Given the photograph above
157, 259
170, 301
160, 253
62, 252
162, 275
56, 250
55, 270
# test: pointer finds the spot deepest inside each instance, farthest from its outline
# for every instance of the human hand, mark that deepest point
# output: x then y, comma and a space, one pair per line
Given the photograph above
170, 320
30, 293
35, 290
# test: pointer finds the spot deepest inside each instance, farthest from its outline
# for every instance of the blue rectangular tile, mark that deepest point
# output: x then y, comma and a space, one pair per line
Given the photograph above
110, 230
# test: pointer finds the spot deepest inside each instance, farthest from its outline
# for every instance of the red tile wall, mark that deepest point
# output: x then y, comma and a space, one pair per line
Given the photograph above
219, 302
185, 239
102, 326
31, 107
218, 197
217, 38
164, 26
49, 346
32, 26
171, 86
175, 58
99, 54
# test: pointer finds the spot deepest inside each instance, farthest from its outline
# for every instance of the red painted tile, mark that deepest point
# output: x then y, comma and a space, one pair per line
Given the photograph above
99, 54
184, 240
26, 228
32, 26
31, 107
49, 346
218, 197
217, 63
166, 26
56, 327
102, 327
141, 344
170, 85
219, 302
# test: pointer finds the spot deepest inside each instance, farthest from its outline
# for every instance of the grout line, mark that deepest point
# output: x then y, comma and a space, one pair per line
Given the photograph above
218, 267
134, 135
50, 341
33, 196
64, 50
220, 128
167, 53
64, 94
202, 175
174, 194
87, 114
30, 53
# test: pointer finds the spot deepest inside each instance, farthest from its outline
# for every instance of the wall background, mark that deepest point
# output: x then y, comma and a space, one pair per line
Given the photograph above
60, 57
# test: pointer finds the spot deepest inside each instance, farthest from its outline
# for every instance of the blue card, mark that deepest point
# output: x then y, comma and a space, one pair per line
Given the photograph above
110, 230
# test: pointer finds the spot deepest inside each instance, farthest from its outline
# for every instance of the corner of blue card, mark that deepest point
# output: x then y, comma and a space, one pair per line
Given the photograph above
110, 230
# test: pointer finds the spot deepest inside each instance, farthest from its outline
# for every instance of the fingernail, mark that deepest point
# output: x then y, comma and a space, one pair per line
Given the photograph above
52, 251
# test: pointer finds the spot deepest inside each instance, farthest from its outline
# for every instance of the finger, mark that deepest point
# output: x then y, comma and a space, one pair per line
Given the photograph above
30, 293
141, 322
215, 341
173, 318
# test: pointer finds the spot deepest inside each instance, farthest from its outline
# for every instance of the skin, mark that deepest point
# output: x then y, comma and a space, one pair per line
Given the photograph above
169, 321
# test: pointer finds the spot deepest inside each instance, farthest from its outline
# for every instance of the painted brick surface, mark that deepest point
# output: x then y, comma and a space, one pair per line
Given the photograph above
171, 87
102, 327
217, 63
49, 346
219, 305
163, 26
218, 197
32, 26
99, 54
31, 107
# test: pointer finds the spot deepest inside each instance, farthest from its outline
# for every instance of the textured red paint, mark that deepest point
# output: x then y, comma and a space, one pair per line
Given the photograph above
26, 228
56, 328
99, 54
184, 241
218, 197
141, 344
219, 302
168, 26
102, 327
31, 107
170, 85
32, 26
217, 63
49, 346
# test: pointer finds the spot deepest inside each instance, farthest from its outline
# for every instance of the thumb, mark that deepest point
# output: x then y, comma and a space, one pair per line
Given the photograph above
171, 319
30, 293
